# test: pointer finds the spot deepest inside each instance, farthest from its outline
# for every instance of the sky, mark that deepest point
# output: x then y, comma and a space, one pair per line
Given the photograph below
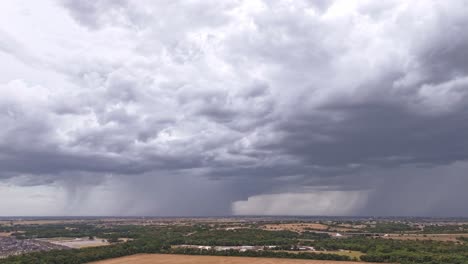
253, 107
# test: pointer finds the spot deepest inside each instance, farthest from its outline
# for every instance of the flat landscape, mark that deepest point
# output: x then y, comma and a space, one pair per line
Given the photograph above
296, 227
181, 259
227, 240
77, 242
10, 246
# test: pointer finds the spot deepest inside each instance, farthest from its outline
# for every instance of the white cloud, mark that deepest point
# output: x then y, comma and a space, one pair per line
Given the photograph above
232, 91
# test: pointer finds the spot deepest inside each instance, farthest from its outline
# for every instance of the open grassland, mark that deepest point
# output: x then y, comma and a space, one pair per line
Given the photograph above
186, 259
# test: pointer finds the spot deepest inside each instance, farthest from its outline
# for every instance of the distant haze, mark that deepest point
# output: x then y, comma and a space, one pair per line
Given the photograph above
210, 107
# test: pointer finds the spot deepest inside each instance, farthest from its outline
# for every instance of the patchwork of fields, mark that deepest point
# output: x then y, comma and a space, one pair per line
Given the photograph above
235, 241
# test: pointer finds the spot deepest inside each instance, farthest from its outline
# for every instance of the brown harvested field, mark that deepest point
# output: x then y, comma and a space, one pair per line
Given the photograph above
296, 227
187, 259
437, 237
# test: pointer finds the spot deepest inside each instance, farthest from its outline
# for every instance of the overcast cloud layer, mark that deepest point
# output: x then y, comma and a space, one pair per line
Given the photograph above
234, 107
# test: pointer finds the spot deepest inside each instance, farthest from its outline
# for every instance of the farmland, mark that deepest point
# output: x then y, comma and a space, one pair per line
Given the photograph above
270, 239
181, 259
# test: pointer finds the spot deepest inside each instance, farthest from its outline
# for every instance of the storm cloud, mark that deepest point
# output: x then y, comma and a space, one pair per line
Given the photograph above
233, 107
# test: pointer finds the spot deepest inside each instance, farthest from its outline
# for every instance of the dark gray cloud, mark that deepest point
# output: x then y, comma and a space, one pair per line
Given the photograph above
242, 104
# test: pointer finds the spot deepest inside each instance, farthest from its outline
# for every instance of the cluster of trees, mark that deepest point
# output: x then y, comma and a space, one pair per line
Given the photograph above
265, 254
313, 235
401, 251
445, 229
55, 230
73, 230
151, 239
390, 227
241, 237
411, 258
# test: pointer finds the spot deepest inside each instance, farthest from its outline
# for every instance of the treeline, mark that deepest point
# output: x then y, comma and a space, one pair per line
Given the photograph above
401, 251
390, 227
445, 229
412, 257
313, 235
265, 254
74, 230
48, 231
150, 239
241, 237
